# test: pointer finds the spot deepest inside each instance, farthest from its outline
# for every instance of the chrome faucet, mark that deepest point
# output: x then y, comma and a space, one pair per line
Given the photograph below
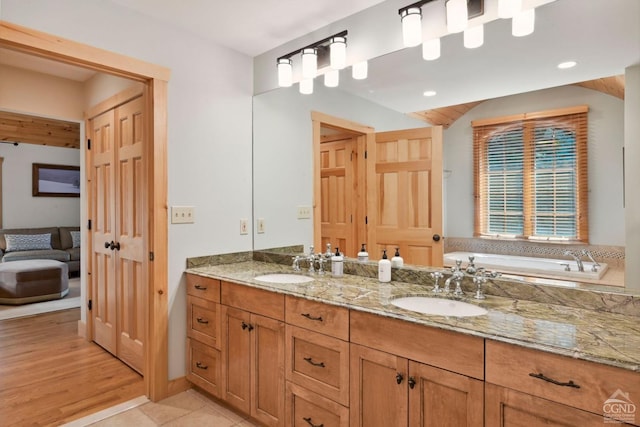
595, 265
311, 258
456, 276
296, 262
436, 276
576, 258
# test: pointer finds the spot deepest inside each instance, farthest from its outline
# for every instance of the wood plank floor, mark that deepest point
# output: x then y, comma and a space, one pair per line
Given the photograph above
49, 375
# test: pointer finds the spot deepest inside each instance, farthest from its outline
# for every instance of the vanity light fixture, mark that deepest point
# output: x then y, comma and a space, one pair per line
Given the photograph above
411, 18
360, 70
474, 37
330, 51
331, 78
285, 72
509, 8
431, 49
457, 15
306, 86
523, 23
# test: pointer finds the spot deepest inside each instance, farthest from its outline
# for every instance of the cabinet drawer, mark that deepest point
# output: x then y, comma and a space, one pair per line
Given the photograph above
265, 303
203, 287
203, 321
305, 408
513, 367
204, 367
318, 362
317, 316
449, 350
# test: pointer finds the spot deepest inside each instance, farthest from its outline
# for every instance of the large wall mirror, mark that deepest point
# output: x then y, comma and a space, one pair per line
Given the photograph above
508, 75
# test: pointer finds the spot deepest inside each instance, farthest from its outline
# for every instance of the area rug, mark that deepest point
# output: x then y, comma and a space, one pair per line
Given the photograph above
71, 300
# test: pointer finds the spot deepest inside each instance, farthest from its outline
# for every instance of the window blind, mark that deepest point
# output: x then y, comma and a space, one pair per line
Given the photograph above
530, 175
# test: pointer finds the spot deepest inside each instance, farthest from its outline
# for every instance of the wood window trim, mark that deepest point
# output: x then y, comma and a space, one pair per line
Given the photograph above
525, 120
155, 78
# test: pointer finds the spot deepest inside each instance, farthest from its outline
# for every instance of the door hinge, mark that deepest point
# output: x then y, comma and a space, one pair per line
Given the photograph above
365, 154
90, 305
150, 256
351, 219
88, 144
366, 220
89, 225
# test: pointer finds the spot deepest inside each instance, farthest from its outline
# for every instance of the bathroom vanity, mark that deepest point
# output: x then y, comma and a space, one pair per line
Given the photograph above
336, 352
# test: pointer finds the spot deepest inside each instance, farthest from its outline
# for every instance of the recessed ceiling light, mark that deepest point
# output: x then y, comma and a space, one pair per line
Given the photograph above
568, 64
429, 93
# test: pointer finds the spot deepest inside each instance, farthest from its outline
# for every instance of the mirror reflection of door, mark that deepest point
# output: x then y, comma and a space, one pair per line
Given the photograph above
380, 189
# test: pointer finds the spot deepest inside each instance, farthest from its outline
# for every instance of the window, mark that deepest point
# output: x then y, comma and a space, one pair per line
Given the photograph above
530, 175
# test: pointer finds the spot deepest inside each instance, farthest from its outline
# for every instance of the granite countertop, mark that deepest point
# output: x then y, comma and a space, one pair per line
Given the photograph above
602, 337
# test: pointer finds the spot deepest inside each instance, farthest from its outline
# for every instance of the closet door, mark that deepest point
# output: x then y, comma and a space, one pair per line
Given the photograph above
103, 213
130, 262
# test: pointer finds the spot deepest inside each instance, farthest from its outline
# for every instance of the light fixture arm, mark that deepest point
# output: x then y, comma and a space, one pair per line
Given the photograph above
416, 4
475, 7
316, 44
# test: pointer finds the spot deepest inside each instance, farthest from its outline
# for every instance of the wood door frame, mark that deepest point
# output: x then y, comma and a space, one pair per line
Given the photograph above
155, 78
366, 140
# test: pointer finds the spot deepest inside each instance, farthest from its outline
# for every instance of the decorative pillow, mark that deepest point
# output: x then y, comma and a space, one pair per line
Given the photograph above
27, 242
75, 238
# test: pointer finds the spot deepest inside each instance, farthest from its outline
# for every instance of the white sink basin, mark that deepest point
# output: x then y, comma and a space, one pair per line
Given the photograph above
439, 306
283, 278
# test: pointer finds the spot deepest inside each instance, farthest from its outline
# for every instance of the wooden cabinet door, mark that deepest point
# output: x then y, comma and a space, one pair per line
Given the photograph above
236, 358
443, 398
509, 408
404, 195
102, 191
267, 370
337, 204
378, 388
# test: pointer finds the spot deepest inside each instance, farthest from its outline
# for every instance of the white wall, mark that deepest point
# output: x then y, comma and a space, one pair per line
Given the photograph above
102, 86
283, 154
632, 175
20, 208
209, 128
606, 138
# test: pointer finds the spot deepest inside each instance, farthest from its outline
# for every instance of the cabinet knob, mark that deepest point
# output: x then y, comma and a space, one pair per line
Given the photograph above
399, 378
412, 382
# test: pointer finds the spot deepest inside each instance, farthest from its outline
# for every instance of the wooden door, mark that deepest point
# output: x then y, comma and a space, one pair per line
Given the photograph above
103, 230
267, 370
337, 204
131, 225
404, 195
443, 398
378, 388
236, 358
509, 408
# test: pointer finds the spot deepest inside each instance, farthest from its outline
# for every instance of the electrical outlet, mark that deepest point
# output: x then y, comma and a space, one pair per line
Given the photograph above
304, 212
244, 226
182, 215
260, 225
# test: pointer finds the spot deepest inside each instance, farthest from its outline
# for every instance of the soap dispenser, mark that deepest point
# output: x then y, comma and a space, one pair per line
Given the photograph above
397, 260
363, 255
384, 268
337, 264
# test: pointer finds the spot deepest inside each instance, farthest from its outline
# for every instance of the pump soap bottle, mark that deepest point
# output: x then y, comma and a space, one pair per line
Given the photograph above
384, 268
363, 255
397, 260
337, 264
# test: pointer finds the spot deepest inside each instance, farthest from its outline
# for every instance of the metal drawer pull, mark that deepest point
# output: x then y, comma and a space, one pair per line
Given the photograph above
310, 361
310, 317
203, 321
201, 366
201, 288
552, 381
308, 420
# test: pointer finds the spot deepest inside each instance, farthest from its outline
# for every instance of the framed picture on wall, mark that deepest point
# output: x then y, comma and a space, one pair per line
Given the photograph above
55, 180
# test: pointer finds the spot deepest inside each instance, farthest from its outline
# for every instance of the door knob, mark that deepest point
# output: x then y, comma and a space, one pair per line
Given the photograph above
107, 245
436, 237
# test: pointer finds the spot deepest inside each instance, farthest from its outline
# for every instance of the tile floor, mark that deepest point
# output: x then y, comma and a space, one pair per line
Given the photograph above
186, 409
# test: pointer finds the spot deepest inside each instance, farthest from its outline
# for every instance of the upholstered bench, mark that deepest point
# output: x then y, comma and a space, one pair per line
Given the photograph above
23, 282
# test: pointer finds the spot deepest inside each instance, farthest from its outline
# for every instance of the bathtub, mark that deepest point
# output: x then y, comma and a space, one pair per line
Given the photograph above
527, 266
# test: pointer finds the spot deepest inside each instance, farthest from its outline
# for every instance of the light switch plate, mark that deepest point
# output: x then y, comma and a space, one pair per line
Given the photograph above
304, 212
244, 226
182, 214
260, 225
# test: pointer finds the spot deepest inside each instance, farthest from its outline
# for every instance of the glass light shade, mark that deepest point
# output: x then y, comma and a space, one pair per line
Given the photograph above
457, 15
360, 70
474, 37
309, 63
338, 53
523, 23
285, 72
509, 8
331, 78
306, 86
411, 26
431, 49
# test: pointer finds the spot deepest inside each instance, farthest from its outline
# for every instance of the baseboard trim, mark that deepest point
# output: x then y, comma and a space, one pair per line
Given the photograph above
178, 385
82, 328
